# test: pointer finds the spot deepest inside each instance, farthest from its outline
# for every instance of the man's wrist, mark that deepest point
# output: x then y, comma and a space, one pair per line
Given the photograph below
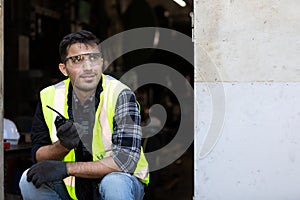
62, 147
67, 168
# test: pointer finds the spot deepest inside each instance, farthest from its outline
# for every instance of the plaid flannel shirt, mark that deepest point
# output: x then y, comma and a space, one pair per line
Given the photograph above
127, 132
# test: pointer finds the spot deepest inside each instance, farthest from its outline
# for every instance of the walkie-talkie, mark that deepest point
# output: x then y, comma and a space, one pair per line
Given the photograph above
60, 119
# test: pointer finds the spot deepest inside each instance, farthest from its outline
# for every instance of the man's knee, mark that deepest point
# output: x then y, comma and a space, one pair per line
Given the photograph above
118, 178
23, 180
114, 184
118, 185
26, 187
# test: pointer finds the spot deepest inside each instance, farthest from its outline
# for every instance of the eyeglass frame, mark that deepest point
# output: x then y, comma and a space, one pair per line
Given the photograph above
84, 54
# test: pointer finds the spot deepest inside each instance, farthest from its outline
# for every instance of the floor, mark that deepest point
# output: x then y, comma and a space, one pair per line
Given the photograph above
173, 182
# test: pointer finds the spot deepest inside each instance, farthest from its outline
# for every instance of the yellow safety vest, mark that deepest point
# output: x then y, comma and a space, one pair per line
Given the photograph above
56, 97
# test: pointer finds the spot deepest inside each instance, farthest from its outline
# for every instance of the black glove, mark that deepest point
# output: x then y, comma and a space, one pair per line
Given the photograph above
47, 171
68, 134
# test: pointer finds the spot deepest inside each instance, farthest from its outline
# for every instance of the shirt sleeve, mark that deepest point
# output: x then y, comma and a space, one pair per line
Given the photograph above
127, 132
39, 132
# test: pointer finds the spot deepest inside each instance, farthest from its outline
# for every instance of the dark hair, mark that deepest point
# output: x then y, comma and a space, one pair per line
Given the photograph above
81, 36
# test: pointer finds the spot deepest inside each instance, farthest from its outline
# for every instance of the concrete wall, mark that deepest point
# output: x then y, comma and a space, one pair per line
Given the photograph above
247, 102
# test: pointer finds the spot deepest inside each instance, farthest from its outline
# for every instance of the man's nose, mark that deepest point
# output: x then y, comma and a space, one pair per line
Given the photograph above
87, 65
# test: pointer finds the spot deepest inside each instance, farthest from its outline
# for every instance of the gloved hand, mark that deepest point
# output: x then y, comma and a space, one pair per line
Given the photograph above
68, 134
47, 171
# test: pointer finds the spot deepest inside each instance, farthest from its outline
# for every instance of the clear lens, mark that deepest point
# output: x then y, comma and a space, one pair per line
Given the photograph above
78, 60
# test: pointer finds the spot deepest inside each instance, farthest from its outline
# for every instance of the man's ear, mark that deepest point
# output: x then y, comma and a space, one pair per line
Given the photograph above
62, 68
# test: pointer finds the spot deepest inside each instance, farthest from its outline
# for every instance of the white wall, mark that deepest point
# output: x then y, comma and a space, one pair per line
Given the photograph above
247, 99
254, 40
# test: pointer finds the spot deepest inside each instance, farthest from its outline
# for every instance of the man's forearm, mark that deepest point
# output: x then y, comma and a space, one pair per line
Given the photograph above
93, 169
51, 152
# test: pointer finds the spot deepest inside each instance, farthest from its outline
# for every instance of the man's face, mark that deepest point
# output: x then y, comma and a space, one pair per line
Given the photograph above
84, 66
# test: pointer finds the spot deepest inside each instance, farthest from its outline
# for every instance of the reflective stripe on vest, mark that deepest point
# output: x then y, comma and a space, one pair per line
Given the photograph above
56, 94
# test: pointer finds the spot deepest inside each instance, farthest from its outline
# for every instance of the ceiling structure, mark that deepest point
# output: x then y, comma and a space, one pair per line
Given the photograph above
176, 12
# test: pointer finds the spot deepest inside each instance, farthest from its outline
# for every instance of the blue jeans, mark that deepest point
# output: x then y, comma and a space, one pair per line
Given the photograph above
114, 186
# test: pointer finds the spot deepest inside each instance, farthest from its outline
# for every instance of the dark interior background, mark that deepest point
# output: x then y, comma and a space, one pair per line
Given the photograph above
32, 32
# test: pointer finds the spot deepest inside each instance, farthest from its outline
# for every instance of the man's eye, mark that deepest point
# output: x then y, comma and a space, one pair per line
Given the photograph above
76, 59
94, 57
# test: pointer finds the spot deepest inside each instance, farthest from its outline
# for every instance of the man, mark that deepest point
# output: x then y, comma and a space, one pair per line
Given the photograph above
95, 153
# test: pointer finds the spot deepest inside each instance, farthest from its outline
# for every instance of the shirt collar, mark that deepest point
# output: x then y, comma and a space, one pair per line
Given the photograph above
99, 89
